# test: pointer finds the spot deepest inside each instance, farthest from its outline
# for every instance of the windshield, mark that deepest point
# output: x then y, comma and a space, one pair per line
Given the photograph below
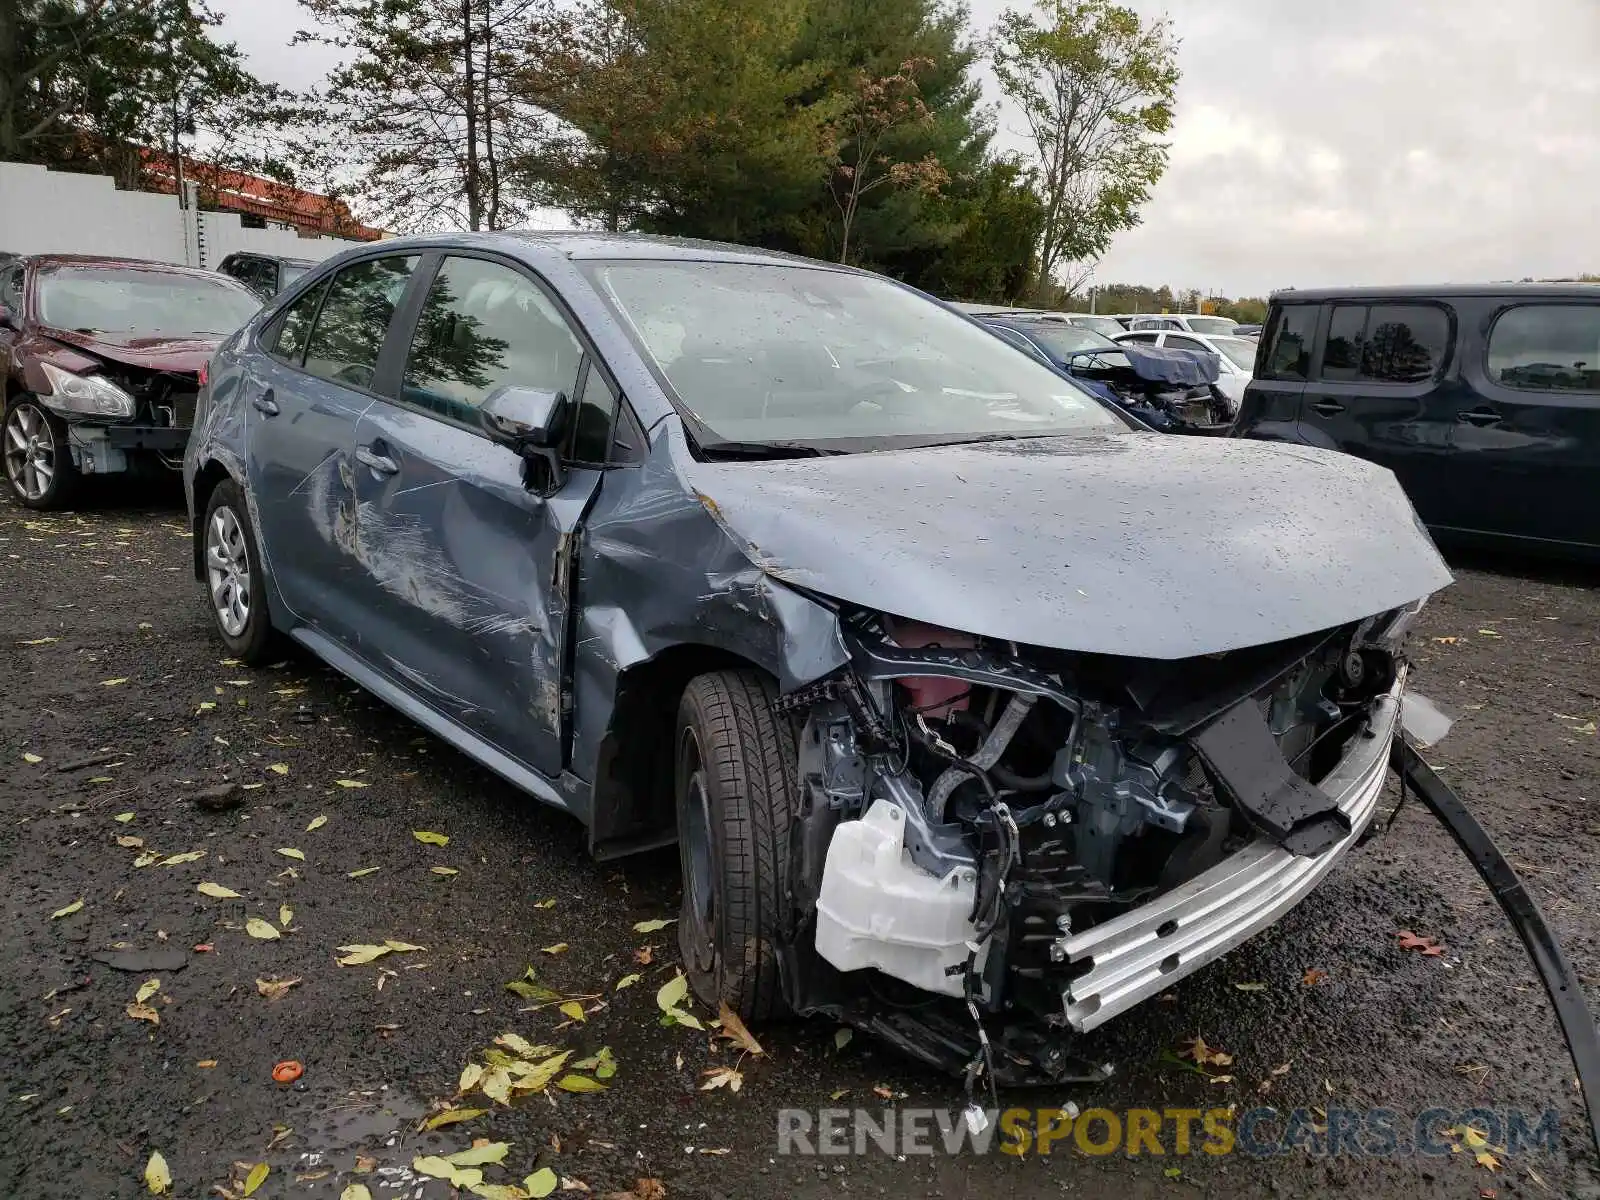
1212, 324
142, 302
1066, 340
781, 354
1240, 352
1108, 326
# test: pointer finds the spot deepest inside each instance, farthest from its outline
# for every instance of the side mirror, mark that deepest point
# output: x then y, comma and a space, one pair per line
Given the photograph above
524, 418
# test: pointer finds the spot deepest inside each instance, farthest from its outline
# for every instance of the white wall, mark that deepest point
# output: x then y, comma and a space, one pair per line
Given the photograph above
44, 211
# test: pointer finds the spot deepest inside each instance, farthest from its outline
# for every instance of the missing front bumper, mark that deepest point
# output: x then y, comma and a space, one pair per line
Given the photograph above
1145, 951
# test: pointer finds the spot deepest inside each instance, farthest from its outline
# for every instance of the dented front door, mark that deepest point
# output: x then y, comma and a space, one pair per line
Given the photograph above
462, 563
461, 569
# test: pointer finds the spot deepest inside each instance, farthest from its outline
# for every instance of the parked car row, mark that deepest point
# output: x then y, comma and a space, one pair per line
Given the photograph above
861, 601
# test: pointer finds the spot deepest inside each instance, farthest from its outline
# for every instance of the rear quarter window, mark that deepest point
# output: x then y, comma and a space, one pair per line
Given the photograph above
1546, 348
1286, 345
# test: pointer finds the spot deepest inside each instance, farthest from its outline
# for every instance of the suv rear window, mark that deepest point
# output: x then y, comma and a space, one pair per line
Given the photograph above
1547, 348
1287, 344
1385, 343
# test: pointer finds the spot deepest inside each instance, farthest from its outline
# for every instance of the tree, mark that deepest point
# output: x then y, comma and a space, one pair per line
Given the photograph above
996, 216
1097, 88
680, 116
423, 114
875, 109
101, 84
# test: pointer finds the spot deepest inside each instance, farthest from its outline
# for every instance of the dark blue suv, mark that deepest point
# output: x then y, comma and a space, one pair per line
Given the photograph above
1484, 401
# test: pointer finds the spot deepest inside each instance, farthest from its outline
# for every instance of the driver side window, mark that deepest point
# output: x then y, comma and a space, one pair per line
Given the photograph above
354, 320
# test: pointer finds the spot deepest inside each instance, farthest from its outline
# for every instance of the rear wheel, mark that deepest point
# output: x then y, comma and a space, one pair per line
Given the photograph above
735, 782
234, 584
38, 463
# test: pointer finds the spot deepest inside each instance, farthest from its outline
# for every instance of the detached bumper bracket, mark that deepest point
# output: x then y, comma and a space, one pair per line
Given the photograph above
1241, 752
1522, 910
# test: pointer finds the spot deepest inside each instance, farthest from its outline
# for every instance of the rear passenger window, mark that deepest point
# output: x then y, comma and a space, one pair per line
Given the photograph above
1404, 343
1288, 340
1547, 348
484, 326
355, 319
287, 339
1341, 358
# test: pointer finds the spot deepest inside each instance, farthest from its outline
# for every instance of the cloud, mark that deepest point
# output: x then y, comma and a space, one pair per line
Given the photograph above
1372, 142
1366, 141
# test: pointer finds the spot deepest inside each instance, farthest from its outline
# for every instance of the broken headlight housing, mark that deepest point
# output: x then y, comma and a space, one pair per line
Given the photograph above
74, 395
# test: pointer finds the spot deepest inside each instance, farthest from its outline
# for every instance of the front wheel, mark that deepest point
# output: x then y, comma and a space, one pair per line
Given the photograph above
735, 783
38, 462
234, 583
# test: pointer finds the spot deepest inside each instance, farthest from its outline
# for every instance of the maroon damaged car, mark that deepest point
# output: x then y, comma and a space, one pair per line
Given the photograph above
101, 360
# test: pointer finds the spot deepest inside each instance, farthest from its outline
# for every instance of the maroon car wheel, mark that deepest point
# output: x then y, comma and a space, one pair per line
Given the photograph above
38, 464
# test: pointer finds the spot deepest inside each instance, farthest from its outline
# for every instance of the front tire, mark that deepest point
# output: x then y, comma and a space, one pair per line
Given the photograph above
235, 587
38, 462
735, 783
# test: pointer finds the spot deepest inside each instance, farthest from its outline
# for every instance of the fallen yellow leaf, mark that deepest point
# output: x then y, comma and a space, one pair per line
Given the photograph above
429, 838
275, 989
444, 870
131, 843
579, 1083
68, 910
143, 1012
216, 891
291, 852
452, 1116
479, 1155
147, 989
285, 915
278, 768
30, 757
363, 871
558, 948
351, 783
356, 1191
316, 824
257, 927
258, 1176
176, 860
574, 1011
156, 1176
123, 818
113, 682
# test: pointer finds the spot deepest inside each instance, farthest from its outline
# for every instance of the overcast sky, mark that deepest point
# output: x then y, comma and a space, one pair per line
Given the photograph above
1366, 141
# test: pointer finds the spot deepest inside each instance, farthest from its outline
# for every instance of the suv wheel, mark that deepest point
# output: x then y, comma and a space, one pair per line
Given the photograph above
38, 464
234, 586
735, 782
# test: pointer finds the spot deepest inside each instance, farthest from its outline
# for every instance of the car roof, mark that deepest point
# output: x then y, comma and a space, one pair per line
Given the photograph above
1439, 291
589, 244
278, 258
100, 260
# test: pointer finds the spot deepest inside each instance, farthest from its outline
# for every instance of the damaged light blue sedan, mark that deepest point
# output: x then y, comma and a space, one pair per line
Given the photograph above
978, 715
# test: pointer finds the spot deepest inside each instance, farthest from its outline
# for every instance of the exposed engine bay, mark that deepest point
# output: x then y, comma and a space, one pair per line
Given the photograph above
1172, 390
973, 810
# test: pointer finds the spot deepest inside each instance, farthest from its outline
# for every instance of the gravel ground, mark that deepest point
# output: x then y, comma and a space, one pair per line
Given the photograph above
106, 654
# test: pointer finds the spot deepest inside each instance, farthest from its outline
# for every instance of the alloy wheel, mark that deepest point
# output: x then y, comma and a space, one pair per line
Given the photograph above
699, 914
30, 452
228, 571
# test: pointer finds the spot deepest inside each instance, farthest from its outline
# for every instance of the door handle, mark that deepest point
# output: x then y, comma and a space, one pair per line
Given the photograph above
1480, 416
380, 464
1327, 408
265, 404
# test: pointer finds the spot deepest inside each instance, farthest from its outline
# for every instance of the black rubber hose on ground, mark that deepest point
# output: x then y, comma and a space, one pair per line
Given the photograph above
1555, 972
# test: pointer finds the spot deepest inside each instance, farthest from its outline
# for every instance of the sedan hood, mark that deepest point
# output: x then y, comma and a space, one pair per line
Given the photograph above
1141, 545
185, 355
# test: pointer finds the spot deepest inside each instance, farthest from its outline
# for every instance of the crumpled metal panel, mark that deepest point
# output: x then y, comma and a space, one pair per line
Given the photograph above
1132, 544
657, 571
